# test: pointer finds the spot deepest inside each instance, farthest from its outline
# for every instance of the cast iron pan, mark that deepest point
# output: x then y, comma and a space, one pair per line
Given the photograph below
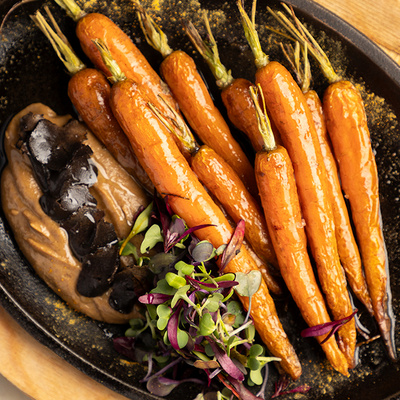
30, 72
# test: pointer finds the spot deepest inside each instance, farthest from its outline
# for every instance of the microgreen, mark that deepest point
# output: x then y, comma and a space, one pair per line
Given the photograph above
192, 316
329, 328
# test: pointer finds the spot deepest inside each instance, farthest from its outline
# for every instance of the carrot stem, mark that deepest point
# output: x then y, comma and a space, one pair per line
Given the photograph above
260, 58
210, 53
72, 9
155, 37
116, 73
59, 43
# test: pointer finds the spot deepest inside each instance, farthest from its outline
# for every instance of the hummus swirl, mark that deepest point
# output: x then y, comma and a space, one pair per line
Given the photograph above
43, 242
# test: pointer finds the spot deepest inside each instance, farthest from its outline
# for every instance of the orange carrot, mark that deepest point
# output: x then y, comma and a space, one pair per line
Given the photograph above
226, 186
172, 176
180, 72
89, 92
348, 129
235, 92
347, 246
130, 59
278, 192
288, 108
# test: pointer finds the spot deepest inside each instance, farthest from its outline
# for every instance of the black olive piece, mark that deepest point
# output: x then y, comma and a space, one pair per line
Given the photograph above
98, 271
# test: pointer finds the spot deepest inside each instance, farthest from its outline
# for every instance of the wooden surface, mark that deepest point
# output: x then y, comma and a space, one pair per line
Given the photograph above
43, 375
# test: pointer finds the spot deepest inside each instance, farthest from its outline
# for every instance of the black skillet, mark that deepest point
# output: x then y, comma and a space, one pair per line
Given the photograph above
30, 72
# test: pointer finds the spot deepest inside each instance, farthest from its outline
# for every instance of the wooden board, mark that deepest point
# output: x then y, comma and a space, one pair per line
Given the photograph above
43, 375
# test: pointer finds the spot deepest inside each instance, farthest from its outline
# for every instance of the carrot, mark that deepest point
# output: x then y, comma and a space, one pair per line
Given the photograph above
180, 73
130, 59
171, 175
347, 246
288, 108
348, 130
89, 92
226, 186
278, 192
235, 92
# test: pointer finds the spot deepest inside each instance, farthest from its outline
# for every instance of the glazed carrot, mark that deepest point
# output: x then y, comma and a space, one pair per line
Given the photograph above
172, 176
235, 92
348, 130
226, 186
288, 108
347, 246
89, 92
132, 62
180, 72
278, 192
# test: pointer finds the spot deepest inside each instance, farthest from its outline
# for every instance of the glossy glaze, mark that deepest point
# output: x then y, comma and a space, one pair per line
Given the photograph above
347, 246
224, 183
89, 92
187, 86
289, 110
172, 176
278, 192
348, 130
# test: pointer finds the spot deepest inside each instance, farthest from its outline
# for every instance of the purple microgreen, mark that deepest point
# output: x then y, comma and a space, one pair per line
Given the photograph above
163, 213
263, 386
282, 385
186, 233
226, 363
329, 328
234, 245
161, 386
155, 298
241, 391
200, 284
176, 337
175, 231
125, 346
149, 367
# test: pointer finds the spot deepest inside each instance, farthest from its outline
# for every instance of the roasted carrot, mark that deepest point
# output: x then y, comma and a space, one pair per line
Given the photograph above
278, 193
347, 246
91, 26
89, 92
235, 92
180, 72
348, 130
288, 108
172, 176
226, 186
